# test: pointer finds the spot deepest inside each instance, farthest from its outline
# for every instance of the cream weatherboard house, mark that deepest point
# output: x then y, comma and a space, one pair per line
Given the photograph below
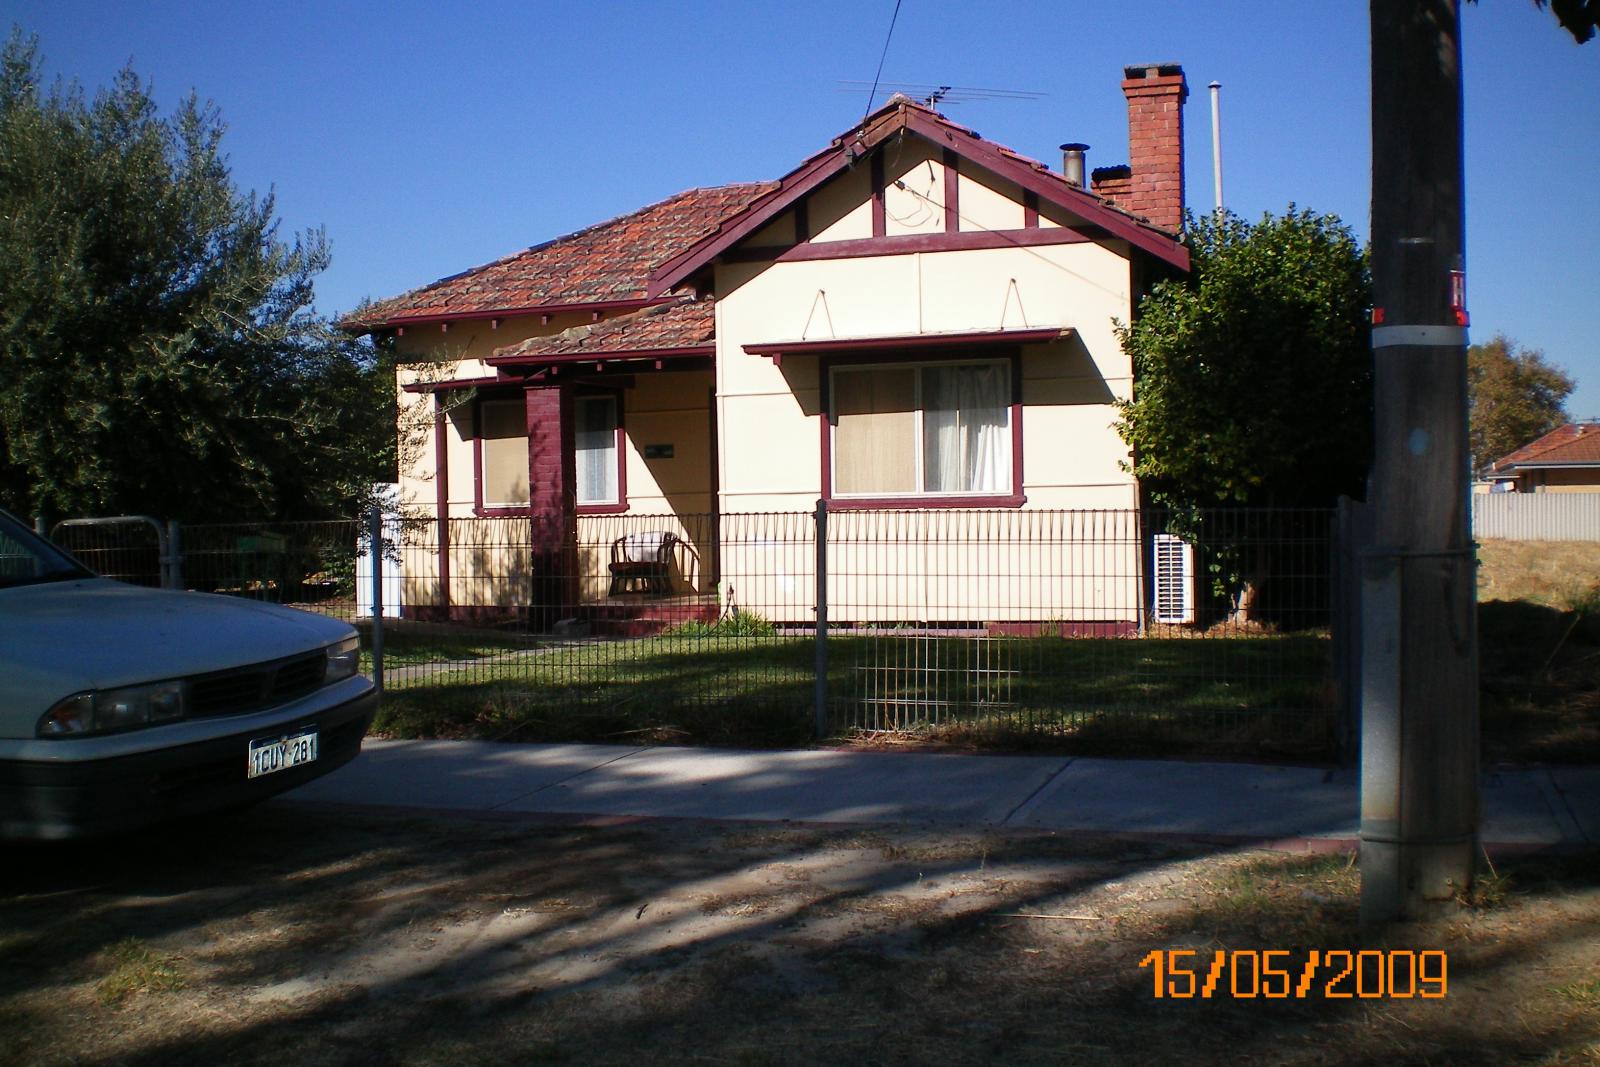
915, 322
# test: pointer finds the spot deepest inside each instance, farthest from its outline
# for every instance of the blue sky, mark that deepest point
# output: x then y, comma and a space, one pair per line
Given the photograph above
426, 139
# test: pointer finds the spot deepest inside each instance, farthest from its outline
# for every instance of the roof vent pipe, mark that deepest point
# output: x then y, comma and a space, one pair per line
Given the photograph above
1072, 162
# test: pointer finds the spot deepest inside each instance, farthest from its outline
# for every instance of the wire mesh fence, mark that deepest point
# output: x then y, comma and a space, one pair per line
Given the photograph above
307, 565
1131, 631
130, 548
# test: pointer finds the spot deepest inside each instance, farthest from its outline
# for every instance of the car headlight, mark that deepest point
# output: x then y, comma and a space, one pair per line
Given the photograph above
344, 659
115, 709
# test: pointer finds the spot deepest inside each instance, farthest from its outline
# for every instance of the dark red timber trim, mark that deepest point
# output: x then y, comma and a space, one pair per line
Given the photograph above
952, 191
478, 507
1055, 190
477, 456
1030, 210
629, 355
632, 304
910, 346
1015, 499
621, 506
796, 185
1096, 214
482, 510
441, 489
1016, 428
909, 243
716, 482
906, 244
451, 383
880, 218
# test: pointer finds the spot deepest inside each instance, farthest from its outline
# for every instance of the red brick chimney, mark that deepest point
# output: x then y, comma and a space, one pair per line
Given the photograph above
1151, 183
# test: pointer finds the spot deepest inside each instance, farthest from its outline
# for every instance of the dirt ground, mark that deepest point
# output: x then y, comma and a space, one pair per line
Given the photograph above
293, 936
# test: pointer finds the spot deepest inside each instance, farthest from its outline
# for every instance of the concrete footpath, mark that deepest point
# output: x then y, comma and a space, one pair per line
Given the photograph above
1305, 807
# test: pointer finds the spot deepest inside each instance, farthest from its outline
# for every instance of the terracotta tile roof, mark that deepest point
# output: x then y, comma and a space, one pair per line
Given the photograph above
1576, 442
687, 324
606, 262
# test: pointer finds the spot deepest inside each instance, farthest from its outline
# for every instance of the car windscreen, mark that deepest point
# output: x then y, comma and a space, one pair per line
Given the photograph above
28, 559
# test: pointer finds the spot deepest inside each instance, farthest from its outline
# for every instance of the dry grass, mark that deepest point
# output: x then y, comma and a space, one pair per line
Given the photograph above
1539, 651
1552, 574
136, 969
397, 940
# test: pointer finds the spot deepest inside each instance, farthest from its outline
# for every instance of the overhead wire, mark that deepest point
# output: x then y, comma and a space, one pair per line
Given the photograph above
883, 56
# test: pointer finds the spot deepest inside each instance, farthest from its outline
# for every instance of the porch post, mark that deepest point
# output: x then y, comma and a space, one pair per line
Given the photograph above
552, 498
441, 488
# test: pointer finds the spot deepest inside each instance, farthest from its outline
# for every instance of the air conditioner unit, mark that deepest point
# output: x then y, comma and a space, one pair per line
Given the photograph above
1174, 579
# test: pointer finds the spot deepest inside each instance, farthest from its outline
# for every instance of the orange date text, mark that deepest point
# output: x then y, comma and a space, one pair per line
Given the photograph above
1278, 974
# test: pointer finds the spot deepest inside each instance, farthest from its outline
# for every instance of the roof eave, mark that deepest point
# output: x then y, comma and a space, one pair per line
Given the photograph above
616, 355
434, 319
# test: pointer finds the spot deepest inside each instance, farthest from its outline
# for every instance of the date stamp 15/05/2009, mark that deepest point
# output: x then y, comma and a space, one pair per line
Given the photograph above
1279, 974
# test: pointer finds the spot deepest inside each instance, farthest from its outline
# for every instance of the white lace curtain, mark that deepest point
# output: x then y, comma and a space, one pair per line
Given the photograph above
964, 426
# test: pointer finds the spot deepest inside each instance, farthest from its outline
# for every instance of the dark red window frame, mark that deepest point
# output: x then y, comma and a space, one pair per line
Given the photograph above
516, 510
621, 504
1014, 499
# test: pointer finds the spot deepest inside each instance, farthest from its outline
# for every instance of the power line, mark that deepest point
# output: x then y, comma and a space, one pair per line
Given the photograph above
936, 94
885, 55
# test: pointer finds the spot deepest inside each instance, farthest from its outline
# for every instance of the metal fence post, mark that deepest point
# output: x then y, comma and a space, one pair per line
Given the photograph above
172, 564
821, 693
375, 550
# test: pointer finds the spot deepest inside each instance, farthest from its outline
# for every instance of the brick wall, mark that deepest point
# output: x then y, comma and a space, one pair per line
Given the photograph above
1151, 185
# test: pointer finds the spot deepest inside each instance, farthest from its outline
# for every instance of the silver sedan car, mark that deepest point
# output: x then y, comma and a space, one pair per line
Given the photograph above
121, 706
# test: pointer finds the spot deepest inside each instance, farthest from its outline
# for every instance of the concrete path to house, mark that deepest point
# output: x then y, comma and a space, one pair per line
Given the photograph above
1290, 807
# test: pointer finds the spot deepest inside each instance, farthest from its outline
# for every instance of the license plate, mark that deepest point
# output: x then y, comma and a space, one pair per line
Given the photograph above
269, 755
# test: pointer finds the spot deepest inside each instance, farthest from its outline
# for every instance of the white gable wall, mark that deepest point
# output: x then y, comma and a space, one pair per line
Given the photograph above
770, 421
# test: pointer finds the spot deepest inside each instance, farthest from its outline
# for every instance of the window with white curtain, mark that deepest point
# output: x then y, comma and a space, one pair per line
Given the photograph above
926, 429
595, 425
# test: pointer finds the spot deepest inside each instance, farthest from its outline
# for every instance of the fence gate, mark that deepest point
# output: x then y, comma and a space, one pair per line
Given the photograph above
135, 549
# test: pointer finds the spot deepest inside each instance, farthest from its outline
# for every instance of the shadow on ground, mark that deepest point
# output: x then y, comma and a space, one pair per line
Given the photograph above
332, 939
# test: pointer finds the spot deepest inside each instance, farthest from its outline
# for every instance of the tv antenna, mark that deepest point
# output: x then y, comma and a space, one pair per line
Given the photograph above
934, 95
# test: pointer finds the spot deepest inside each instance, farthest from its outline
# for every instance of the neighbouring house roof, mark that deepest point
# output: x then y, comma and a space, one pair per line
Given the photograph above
685, 327
606, 264
1577, 444
896, 118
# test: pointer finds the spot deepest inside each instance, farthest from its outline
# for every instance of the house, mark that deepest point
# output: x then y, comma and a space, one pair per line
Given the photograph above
915, 321
1565, 460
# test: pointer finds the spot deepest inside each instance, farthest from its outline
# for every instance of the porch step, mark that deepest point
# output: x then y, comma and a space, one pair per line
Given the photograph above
645, 616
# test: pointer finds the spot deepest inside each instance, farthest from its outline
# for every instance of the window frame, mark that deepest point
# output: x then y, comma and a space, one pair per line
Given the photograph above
479, 507
611, 507
504, 510
912, 358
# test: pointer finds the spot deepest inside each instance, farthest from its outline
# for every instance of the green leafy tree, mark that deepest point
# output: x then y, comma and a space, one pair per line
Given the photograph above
158, 344
1513, 397
1252, 388
1253, 375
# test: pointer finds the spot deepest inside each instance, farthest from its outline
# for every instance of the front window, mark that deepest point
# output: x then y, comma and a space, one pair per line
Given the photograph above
503, 438
595, 419
922, 430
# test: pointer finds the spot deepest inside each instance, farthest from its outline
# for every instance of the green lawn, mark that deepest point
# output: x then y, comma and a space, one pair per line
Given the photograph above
1240, 696
410, 644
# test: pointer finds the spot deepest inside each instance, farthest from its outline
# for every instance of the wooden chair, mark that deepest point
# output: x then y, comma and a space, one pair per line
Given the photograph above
642, 558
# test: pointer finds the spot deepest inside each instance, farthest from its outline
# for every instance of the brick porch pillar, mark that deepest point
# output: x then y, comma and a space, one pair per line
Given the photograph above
552, 481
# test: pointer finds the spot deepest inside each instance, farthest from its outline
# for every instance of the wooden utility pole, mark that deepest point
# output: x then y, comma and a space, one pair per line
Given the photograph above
1419, 735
